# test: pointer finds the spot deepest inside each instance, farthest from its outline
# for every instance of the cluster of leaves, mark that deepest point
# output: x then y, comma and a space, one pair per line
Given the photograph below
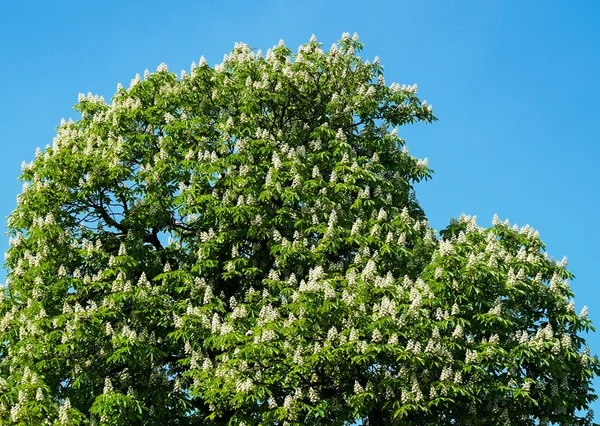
242, 245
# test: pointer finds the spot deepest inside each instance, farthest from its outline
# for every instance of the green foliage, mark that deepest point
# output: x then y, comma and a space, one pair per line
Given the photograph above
242, 245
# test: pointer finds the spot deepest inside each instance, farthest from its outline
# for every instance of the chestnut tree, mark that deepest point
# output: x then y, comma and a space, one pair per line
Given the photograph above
242, 245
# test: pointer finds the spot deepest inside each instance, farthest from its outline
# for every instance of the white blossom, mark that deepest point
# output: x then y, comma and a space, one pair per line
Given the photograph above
471, 356
272, 403
446, 248
108, 386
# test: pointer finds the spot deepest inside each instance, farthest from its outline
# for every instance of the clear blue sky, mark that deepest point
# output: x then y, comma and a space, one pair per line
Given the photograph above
514, 84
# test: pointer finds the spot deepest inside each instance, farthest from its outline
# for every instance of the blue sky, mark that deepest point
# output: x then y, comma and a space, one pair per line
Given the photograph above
513, 83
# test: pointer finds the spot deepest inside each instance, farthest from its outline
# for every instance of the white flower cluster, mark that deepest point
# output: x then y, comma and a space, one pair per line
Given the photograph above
422, 164
446, 248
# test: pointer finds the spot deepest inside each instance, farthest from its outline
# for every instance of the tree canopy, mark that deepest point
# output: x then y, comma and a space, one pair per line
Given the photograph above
242, 245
